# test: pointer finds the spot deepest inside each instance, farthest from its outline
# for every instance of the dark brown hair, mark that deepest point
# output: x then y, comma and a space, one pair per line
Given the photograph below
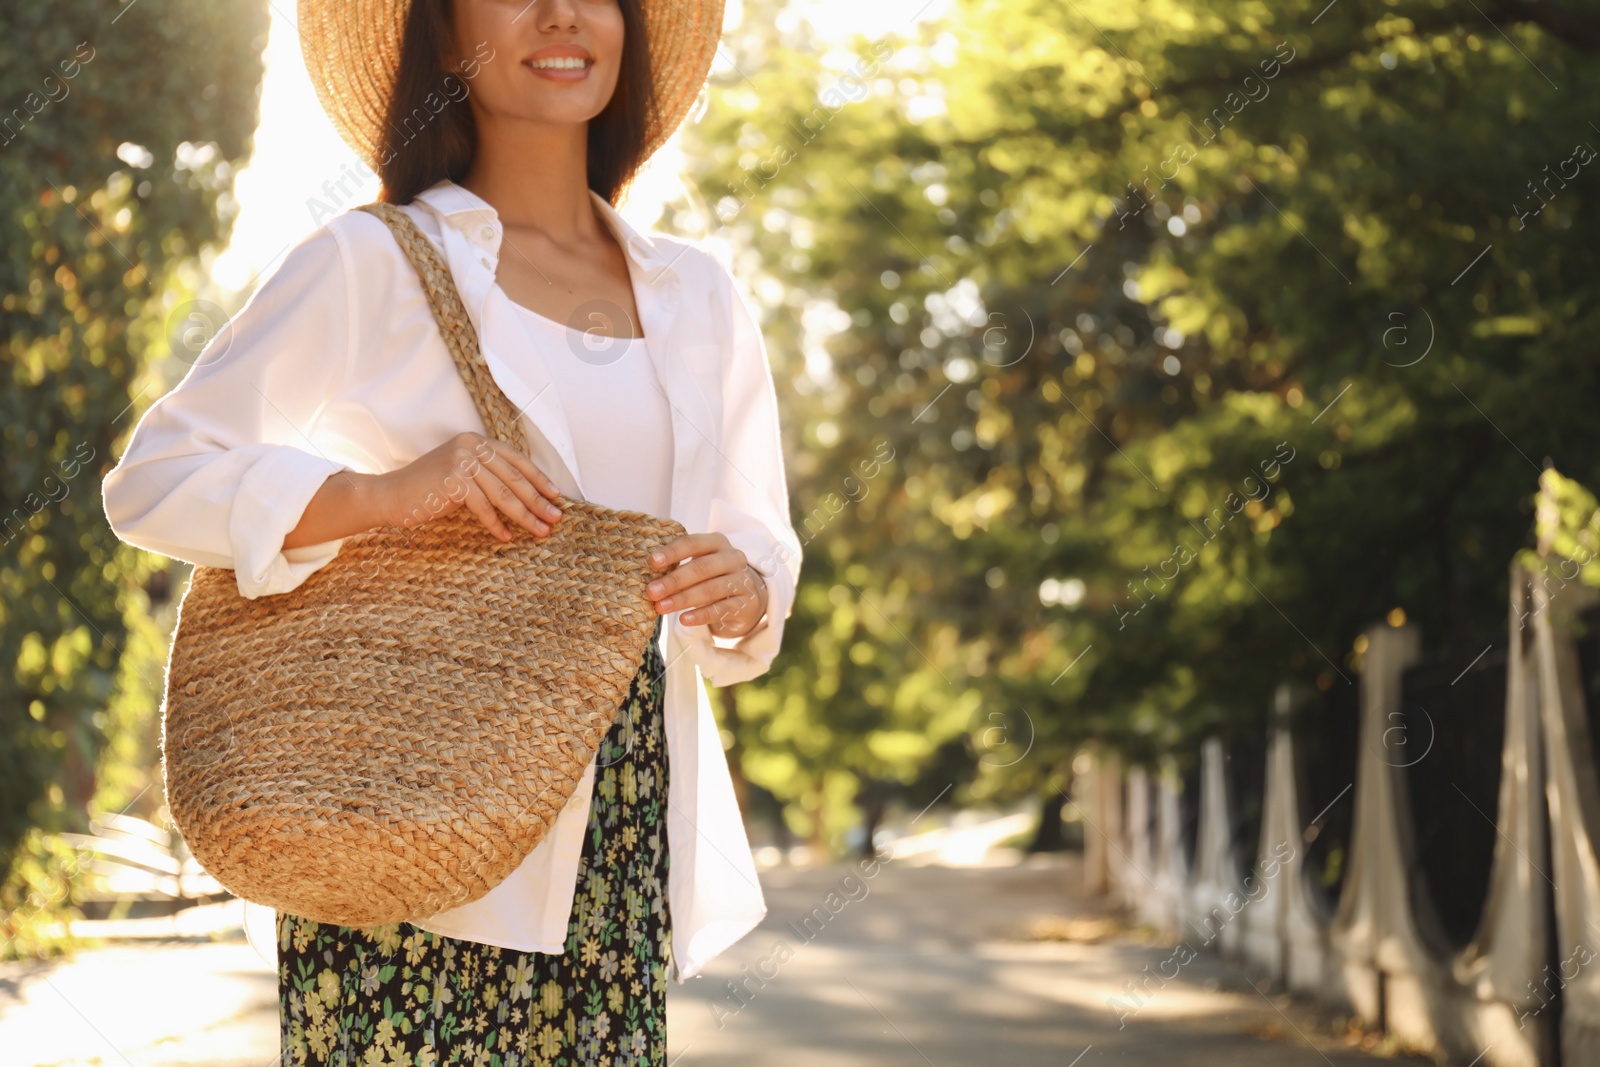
429, 133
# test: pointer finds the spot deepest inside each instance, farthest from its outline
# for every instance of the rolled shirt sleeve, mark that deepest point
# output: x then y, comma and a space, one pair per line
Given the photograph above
750, 504
219, 470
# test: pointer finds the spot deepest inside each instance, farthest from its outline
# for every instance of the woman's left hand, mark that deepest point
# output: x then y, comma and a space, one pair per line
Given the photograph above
719, 584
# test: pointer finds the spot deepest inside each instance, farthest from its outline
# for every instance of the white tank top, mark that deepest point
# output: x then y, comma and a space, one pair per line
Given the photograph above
617, 410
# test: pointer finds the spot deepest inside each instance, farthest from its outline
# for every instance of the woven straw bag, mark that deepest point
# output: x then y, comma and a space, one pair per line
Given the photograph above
392, 738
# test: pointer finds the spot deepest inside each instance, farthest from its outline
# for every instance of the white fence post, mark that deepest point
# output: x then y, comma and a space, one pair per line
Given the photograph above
1573, 795
1214, 898
1386, 969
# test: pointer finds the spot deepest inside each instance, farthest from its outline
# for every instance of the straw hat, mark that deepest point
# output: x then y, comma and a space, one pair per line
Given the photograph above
352, 51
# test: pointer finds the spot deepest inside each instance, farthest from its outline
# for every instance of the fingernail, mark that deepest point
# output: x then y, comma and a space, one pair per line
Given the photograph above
655, 588
666, 604
657, 557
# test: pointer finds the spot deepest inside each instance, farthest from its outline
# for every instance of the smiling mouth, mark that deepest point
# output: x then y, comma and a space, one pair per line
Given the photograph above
562, 63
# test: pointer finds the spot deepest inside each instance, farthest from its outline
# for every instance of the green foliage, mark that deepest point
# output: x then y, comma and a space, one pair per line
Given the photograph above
120, 127
1232, 327
1567, 521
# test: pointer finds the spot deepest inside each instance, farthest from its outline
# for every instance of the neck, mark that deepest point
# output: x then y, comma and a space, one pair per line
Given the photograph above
535, 176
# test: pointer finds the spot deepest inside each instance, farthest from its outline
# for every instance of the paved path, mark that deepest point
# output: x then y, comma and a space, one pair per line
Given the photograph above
930, 966
920, 965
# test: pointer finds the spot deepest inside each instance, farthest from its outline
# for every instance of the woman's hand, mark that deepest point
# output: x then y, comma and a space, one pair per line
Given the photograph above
475, 471
724, 591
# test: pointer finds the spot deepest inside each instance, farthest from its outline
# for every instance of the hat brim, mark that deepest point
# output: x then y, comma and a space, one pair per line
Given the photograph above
352, 52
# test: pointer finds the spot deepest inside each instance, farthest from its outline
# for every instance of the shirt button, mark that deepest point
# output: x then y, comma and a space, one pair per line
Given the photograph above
486, 233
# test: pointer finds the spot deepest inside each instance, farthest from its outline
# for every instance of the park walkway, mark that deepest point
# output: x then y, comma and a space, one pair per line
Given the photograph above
929, 964
942, 957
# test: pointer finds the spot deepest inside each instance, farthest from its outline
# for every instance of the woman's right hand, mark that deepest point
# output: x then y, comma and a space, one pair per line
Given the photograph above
487, 476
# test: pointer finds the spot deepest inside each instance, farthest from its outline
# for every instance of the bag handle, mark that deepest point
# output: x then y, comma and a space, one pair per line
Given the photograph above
499, 415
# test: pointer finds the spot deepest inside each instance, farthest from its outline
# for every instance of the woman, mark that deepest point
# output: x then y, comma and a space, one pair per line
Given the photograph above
329, 405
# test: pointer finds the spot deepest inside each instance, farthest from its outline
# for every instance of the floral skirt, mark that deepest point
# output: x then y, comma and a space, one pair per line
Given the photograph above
396, 994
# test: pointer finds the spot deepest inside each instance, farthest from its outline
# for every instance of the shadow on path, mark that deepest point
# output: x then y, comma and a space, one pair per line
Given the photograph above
931, 965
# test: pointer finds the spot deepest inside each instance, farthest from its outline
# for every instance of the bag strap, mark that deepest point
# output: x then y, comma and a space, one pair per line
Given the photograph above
499, 415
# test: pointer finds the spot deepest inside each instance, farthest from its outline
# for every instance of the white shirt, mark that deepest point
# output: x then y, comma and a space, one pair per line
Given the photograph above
618, 412
336, 362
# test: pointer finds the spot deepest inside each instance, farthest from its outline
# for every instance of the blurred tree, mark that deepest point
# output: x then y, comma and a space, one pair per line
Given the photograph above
1203, 335
120, 127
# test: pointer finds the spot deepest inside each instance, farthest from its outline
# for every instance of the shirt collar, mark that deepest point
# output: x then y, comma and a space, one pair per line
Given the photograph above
458, 206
